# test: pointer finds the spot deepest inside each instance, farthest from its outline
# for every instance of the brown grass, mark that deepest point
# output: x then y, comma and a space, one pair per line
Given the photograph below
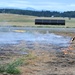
25, 20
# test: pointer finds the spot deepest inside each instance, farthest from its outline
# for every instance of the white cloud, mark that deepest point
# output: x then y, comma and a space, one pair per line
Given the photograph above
14, 4
72, 5
51, 6
57, 5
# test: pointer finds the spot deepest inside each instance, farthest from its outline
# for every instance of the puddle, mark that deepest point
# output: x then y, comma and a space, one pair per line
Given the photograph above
11, 36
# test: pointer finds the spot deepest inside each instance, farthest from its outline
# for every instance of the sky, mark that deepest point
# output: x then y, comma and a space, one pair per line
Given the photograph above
52, 5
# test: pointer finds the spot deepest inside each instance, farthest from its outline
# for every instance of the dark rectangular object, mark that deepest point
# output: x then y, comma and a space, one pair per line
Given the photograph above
49, 22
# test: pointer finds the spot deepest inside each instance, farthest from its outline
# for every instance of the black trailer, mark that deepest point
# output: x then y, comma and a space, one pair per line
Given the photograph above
49, 22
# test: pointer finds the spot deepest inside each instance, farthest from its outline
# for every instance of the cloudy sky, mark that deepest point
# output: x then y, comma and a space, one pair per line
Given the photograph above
53, 5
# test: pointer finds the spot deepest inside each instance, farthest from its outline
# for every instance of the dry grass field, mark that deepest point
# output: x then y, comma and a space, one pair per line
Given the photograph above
25, 20
37, 60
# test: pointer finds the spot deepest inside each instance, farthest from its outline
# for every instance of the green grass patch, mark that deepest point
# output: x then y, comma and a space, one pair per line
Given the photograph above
11, 68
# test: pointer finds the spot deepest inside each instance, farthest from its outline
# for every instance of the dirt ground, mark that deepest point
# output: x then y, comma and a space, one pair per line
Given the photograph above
46, 62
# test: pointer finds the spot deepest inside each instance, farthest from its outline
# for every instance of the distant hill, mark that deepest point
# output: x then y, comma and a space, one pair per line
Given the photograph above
30, 8
33, 12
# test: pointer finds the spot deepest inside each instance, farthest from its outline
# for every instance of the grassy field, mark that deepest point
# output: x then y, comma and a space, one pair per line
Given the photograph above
24, 20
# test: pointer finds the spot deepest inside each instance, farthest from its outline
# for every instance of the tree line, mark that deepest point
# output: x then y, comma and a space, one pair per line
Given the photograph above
39, 13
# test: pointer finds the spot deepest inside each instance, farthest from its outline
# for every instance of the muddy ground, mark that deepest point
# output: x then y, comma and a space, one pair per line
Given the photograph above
48, 59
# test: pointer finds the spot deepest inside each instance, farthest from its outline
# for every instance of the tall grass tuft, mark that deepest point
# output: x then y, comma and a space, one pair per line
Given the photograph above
11, 68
